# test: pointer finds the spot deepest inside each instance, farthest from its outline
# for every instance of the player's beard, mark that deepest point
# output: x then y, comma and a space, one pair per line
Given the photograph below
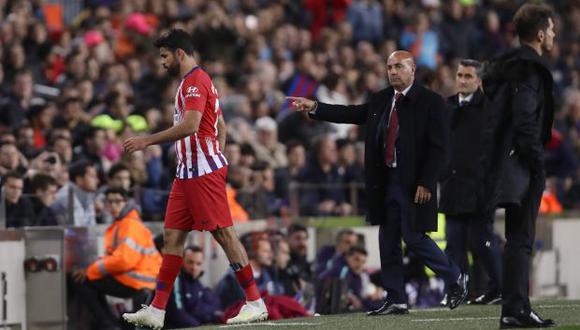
173, 69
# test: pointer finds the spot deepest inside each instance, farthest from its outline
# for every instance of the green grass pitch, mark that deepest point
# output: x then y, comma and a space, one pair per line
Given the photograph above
566, 313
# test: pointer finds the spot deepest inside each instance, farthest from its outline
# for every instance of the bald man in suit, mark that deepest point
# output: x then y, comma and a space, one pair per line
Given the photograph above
405, 149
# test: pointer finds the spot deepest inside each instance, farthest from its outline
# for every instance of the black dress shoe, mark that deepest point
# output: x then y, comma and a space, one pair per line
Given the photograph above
525, 320
490, 298
457, 292
390, 308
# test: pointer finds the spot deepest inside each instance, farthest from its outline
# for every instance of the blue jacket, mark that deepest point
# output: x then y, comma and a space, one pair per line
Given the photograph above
191, 304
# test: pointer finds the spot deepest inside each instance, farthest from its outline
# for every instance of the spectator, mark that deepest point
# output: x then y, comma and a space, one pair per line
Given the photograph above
233, 153
81, 191
72, 117
40, 118
129, 265
298, 243
361, 293
260, 257
191, 304
44, 188
92, 149
457, 33
366, 18
330, 255
267, 147
25, 141
11, 159
333, 91
284, 282
422, 42
15, 105
327, 196
326, 13
19, 212
119, 176
285, 176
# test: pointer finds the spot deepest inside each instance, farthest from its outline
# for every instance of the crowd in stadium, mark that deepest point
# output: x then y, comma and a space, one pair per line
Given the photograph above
73, 88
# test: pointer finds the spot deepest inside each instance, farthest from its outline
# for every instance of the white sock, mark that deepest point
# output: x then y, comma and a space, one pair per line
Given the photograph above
256, 303
157, 310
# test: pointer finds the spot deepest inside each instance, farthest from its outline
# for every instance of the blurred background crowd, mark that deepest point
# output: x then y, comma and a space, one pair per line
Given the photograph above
78, 77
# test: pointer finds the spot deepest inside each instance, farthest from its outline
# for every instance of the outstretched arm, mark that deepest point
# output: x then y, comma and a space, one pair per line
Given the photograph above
347, 114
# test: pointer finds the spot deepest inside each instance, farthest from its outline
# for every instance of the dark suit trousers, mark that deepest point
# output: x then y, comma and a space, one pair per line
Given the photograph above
474, 232
92, 295
520, 227
398, 226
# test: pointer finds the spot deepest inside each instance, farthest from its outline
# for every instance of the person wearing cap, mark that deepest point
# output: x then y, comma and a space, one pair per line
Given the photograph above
267, 147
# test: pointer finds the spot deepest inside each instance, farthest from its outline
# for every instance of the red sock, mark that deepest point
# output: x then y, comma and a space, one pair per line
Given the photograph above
170, 267
245, 277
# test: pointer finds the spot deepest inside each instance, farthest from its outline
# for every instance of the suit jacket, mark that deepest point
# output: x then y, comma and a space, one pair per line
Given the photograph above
520, 114
462, 177
421, 148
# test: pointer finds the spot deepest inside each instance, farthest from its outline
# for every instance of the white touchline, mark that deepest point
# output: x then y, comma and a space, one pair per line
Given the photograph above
457, 319
295, 324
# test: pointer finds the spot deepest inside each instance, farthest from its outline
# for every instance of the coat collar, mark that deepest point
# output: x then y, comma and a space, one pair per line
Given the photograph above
476, 100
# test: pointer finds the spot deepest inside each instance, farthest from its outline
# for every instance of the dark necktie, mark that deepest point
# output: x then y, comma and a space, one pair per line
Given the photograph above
392, 130
463, 103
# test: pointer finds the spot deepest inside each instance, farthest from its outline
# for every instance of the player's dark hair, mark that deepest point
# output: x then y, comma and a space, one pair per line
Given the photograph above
176, 39
530, 19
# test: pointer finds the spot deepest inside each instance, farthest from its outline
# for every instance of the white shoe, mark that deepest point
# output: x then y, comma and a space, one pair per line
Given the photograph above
147, 316
250, 312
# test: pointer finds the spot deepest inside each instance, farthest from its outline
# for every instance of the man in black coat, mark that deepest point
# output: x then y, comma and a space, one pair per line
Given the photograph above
519, 89
405, 151
461, 181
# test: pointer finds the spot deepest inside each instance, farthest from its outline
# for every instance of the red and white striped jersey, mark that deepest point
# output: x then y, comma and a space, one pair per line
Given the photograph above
198, 154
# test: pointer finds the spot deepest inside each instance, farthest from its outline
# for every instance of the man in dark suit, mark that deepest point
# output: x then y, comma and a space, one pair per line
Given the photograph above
405, 151
519, 88
462, 179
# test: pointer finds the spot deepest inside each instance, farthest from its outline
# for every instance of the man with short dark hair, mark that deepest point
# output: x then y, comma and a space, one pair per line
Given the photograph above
198, 199
80, 190
19, 212
191, 304
14, 106
298, 243
330, 255
519, 87
460, 196
44, 188
359, 295
11, 160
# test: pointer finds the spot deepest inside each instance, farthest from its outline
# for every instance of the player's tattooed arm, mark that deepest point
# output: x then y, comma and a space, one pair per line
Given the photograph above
222, 132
